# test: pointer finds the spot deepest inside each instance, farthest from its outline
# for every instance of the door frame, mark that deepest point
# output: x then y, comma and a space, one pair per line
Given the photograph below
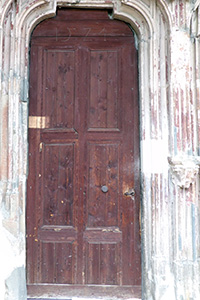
152, 136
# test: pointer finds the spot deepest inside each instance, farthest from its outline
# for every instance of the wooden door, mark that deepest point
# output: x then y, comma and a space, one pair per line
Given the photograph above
82, 227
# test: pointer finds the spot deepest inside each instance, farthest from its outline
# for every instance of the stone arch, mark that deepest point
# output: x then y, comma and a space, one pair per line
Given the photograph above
154, 80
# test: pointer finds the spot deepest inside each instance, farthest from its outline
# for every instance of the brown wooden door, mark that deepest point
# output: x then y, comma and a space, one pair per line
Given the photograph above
82, 230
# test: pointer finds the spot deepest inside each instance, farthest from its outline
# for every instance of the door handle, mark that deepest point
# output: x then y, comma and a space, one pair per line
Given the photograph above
104, 189
131, 193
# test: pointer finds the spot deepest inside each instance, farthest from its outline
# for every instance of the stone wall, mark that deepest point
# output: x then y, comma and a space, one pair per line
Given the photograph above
168, 34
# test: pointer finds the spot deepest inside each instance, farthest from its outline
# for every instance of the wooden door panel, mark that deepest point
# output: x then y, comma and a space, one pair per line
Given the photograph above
61, 270
103, 170
99, 257
104, 79
82, 231
55, 231
102, 235
70, 23
58, 83
58, 183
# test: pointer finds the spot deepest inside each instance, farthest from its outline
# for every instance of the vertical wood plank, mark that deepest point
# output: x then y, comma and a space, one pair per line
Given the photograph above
113, 80
93, 264
47, 263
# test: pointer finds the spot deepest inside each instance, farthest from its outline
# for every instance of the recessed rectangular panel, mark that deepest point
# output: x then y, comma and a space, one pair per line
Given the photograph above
103, 184
64, 260
103, 263
104, 84
103, 235
56, 263
57, 184
58, 87
66, 234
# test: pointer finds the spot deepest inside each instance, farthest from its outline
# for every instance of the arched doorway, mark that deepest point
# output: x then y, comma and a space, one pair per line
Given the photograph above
82, 216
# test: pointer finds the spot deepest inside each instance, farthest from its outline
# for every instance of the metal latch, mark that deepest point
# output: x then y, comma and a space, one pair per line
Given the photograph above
131, 193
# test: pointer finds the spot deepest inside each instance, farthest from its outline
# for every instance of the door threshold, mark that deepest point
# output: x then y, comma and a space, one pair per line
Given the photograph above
78, 298
80, 292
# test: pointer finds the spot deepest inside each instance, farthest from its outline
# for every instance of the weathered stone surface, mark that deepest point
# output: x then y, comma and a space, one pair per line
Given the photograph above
168, 33
15, 288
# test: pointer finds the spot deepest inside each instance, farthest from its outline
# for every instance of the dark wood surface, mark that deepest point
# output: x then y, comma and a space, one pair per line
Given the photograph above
85, 87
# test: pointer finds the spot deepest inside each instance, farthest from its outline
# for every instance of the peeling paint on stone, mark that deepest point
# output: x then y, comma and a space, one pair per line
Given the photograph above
168, 34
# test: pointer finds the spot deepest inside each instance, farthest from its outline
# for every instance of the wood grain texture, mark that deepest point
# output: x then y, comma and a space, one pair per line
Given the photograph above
87, 88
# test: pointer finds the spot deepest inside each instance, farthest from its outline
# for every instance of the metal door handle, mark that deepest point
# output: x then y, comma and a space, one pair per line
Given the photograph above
104, 189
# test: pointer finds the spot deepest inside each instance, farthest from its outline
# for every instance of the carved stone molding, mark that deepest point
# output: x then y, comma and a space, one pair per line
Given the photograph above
195, 22
184, 170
